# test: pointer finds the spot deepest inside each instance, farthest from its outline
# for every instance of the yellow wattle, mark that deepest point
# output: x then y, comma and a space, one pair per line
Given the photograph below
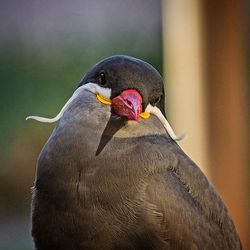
104, 100
145, 115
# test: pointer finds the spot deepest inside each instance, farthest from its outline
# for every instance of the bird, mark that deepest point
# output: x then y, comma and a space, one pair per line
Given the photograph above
112, 175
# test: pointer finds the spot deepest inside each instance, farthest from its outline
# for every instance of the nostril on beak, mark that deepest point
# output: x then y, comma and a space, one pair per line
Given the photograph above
129, 103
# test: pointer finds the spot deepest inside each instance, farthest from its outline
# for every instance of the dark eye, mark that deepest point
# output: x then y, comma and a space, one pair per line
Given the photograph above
156, 100
102, 78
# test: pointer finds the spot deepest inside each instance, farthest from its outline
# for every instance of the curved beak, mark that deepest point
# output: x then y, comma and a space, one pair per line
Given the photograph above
128, 104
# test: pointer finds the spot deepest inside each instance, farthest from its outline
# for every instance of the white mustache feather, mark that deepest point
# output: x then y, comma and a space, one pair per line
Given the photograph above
156, 111
96, 89
91, 87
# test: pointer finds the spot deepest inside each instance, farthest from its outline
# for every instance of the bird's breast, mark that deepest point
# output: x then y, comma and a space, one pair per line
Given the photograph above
92, 171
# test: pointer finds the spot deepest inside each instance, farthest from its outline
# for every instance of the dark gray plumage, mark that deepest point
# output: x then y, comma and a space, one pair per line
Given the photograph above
139, 191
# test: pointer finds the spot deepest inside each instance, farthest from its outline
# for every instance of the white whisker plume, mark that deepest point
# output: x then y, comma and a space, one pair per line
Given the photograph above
91, 87
156, 111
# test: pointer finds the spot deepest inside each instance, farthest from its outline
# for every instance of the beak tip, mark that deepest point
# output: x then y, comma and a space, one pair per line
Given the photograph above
137, 117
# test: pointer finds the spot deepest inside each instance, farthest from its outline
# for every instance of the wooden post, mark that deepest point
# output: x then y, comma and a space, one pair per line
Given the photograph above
183, 68
227, 102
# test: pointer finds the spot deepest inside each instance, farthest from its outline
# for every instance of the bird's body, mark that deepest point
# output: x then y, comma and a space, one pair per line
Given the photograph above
103, 182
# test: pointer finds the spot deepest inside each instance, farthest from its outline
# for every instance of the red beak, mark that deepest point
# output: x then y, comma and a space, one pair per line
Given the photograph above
128, 104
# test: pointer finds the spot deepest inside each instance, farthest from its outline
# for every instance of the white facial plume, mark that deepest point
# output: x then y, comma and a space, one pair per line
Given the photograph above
106, 92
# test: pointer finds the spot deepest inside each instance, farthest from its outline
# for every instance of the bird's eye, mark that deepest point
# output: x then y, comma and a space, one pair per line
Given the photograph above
102, 78
156, 100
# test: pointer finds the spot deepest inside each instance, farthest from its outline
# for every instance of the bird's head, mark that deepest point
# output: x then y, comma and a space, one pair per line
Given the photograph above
132, 85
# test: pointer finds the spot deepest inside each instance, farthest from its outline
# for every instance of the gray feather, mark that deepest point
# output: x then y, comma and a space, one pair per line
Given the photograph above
139, 192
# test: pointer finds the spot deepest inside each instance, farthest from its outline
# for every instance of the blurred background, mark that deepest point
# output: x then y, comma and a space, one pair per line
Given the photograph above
200, 47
